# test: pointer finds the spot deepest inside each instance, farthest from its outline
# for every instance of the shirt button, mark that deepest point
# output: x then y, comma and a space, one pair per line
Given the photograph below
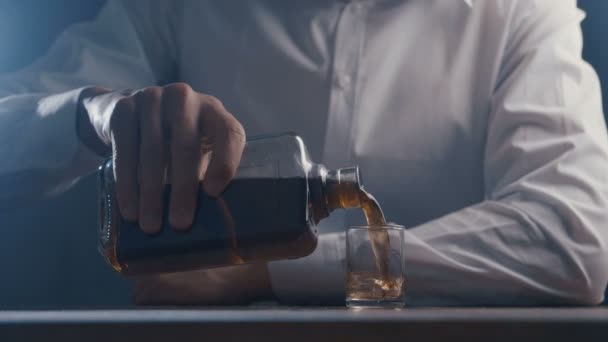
343, 81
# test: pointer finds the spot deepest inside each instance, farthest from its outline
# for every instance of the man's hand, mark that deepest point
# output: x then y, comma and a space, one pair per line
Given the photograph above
183, 135
156, 129
236, 285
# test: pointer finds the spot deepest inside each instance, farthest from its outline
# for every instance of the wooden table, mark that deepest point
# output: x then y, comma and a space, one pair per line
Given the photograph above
308, 324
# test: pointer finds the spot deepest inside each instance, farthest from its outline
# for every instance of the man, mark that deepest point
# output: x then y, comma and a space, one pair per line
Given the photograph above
476, 123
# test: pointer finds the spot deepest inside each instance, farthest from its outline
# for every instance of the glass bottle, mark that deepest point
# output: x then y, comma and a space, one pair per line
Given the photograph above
269, 211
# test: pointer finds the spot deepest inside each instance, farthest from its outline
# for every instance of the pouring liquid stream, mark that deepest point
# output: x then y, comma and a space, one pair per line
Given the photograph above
379, 239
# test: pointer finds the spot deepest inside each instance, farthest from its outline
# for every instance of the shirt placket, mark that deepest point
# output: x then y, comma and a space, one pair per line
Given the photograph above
350, 34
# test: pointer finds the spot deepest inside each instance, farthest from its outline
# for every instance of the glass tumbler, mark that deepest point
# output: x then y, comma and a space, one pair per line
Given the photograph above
375, 272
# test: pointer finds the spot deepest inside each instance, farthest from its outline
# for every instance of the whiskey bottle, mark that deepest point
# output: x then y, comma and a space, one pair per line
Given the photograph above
269, 211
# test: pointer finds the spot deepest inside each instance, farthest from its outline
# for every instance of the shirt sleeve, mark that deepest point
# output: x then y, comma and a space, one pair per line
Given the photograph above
540, 236
40, 152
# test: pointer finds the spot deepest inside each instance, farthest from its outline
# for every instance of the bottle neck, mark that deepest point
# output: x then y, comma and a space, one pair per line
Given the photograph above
334, 189
342, 188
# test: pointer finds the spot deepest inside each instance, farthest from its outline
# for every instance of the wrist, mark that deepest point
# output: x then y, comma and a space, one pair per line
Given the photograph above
84, 126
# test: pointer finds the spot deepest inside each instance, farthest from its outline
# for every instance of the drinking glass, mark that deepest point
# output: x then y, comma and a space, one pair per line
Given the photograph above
375, 274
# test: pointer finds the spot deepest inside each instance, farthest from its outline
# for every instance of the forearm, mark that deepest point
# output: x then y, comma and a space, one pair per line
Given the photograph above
508, 252
504, 253
40, 151
43, 146
236, 285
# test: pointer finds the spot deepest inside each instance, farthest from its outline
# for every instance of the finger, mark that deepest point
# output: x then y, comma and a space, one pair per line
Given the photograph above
180, 109
228, 144
151, 159
124, 136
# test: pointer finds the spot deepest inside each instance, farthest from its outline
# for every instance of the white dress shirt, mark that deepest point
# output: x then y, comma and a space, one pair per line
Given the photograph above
476, 124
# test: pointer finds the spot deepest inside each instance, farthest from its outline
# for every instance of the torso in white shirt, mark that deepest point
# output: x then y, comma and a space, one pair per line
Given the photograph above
400, 88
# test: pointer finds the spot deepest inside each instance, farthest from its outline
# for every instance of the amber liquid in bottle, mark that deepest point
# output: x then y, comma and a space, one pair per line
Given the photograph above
255, 219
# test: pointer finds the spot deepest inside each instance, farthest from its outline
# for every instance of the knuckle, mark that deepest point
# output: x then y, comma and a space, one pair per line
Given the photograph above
150, 95
178, 90
212, 103
149, 102
175, 99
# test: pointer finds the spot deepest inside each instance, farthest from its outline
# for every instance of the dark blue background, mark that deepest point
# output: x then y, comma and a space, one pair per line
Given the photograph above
48, 253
